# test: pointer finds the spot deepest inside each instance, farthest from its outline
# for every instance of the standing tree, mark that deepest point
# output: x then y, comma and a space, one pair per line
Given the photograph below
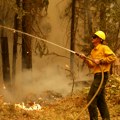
72, 45
31, 8
5, 59
17, 26
103, 15
26, 40
4, 17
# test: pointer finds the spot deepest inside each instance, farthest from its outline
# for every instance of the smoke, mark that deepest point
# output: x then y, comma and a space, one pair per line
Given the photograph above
58, 29
37, 81
45, 76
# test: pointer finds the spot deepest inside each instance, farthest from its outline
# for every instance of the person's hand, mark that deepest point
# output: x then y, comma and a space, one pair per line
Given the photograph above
81, 55
96, 61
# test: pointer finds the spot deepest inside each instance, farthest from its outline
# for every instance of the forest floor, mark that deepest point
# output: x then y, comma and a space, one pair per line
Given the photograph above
53, 106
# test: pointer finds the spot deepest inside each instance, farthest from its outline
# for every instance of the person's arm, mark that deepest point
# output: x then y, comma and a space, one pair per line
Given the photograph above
88, 61
110, 56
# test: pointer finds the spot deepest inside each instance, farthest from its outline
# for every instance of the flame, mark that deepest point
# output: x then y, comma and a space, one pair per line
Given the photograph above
31, 108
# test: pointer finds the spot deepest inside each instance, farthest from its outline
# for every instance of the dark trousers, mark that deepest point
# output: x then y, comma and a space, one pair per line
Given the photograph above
99, 101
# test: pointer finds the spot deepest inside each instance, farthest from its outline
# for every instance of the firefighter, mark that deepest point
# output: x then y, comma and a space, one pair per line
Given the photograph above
101, 55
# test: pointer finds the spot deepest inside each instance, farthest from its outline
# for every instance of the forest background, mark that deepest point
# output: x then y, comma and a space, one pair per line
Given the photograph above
29, 64
70, 24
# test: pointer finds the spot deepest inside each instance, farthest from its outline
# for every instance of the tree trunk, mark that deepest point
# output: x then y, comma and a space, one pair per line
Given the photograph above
87, 20
5, 62
103, 16
72, 45
26, 40
17, 26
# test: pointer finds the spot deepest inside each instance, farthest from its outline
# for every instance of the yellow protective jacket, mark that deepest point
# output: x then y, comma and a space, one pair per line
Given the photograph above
105, 55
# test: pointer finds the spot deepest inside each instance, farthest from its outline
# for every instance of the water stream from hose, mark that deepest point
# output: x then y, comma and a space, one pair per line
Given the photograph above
14, 30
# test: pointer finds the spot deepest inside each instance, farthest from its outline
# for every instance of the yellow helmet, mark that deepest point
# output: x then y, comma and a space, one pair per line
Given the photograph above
100, 34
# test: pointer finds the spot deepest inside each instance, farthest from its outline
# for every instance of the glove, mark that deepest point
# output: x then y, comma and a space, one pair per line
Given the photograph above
81, 55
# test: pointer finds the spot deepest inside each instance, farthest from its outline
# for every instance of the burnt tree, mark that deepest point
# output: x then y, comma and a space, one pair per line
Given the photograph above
5, 60
72, 45
26, 40
17, 26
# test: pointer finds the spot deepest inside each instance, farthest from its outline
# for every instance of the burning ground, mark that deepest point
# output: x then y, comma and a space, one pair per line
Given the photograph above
50, 105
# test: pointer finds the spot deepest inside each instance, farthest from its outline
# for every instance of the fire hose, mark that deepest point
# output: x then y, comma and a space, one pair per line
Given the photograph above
102, 79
